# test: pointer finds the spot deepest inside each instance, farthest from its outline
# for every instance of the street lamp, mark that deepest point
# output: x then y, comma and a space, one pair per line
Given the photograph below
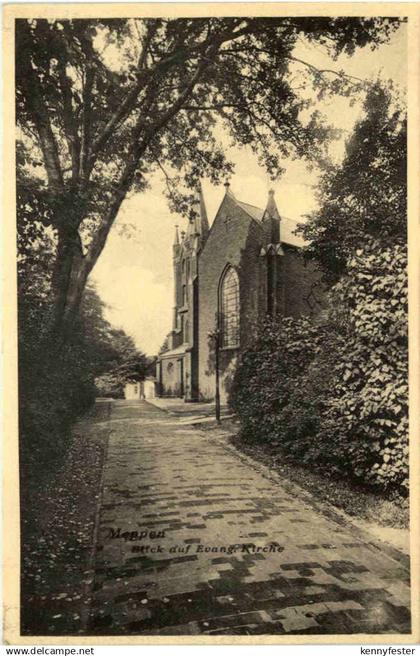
215, 337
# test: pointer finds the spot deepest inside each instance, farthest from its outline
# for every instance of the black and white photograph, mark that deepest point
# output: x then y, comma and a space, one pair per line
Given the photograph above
210, 220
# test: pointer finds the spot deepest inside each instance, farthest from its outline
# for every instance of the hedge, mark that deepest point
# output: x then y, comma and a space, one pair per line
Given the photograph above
334, 392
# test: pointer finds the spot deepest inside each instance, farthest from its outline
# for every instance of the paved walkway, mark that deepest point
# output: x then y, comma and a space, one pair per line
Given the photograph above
191, 412
193, 539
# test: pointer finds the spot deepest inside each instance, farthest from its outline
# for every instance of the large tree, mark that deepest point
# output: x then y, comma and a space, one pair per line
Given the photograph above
101, 104
366, 196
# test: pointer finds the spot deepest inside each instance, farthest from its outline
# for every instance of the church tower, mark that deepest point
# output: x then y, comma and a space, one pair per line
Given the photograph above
178, 366
176, 251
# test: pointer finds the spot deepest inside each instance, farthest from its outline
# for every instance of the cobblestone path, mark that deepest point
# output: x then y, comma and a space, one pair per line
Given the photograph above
176, 498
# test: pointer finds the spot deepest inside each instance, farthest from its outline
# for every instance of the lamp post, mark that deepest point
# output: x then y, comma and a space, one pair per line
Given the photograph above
215, 337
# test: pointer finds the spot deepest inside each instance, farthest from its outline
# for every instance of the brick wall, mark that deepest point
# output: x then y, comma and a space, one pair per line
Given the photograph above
301, 284
237, 242
236, 239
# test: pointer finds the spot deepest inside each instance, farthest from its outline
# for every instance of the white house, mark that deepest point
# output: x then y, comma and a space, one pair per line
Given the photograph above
138, 390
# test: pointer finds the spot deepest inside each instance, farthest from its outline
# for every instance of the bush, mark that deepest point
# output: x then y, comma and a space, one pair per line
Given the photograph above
264, 383
334, 393
369, 403
57, 381
54, 388
110, 386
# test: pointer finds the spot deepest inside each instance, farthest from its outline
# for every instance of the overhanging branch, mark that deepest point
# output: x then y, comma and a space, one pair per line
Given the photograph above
139, 146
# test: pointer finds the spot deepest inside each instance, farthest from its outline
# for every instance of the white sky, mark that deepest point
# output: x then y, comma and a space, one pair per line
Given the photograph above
134, 276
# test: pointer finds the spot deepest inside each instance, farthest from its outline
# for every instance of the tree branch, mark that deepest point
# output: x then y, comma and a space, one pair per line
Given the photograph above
86, 120
322, 71
168, 180
39, 113
138, 148
127, 105
207, 108
70, 127
129, 101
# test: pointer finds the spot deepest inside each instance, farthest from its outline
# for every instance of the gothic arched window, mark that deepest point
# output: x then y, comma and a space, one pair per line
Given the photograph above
229, 308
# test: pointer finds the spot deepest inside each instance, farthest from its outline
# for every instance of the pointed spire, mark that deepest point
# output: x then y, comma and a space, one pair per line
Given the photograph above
200, 223
190, 228
201, 226
271, 220
271, 208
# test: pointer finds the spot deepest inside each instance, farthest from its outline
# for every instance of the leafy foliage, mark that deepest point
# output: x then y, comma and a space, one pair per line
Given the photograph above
334, 392
367, 194
133, 367
56, 384
369, 402
103, 103
282, 384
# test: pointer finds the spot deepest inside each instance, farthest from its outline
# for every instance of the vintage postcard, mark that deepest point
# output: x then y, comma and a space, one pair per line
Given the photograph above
211, 301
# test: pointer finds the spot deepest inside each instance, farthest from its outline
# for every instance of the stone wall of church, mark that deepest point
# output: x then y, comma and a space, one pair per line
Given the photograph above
234, 239
302, 289
169, 378
238, 243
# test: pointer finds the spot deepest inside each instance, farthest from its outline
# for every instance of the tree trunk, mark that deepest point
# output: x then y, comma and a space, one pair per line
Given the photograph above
69, 280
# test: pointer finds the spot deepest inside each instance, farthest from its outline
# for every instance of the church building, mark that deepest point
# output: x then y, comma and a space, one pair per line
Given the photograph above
227, 279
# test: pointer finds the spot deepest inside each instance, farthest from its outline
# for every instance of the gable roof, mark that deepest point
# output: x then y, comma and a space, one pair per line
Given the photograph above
287, 236
253, 211
287, 225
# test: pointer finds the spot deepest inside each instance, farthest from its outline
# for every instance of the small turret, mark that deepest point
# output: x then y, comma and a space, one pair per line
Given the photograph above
271, 208
176, 246
201, 223
176, 240
271, 220
190, 229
